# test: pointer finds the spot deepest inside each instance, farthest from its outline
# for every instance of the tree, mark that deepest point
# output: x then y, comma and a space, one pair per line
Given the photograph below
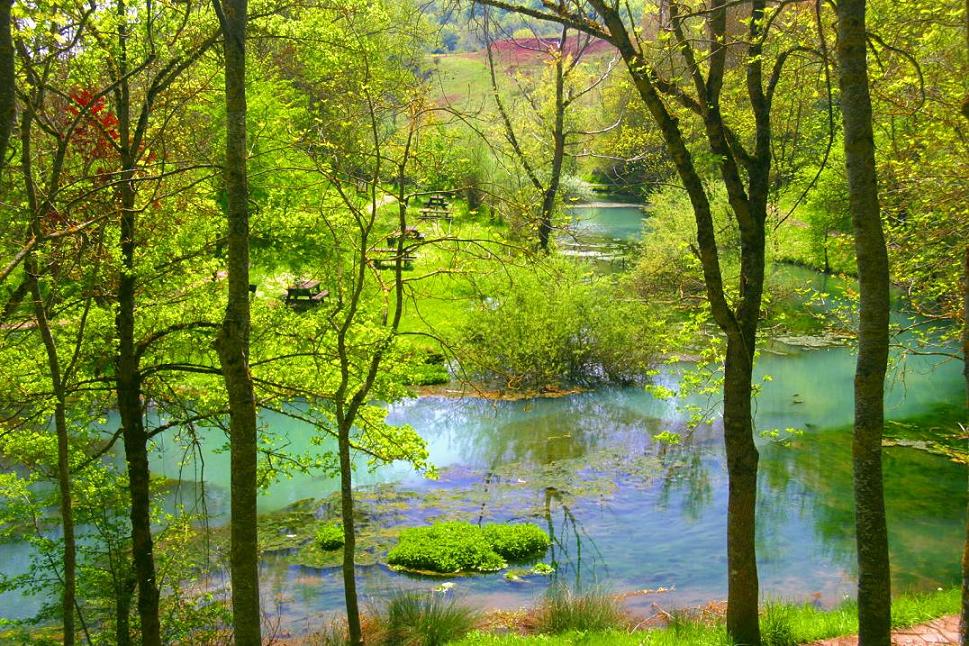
874, 576
565, 54
233, 339
8, 92
746, 176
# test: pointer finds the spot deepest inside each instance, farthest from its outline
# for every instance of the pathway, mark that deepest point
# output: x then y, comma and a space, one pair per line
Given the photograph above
939, 631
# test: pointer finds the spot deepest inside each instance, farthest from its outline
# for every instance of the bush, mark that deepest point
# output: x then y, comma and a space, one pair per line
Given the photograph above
516, 542
458, 546
330, 537
422, 619
446, 548
556, 323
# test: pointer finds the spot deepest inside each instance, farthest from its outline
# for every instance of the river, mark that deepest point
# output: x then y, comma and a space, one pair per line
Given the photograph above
628, 512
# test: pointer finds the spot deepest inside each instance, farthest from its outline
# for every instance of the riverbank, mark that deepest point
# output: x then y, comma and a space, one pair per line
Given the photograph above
781, 625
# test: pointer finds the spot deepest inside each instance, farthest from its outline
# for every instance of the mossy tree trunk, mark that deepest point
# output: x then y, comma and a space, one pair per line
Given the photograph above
232, 342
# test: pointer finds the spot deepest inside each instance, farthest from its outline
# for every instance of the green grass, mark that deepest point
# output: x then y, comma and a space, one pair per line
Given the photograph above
781, 625
422, 619
565, 611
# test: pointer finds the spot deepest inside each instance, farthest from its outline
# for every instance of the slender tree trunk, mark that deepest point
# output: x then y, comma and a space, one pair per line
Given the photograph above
349, 538
69, 597
964, 623
63, 462
558, 149
874, 576
127, 369
8, 94
233, 339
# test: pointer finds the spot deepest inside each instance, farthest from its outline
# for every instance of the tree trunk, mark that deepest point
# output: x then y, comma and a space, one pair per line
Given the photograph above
127, 369
8, 95
349, 538
874, 577
69, 597
964, 623
232, 343
558, 149
63, 464
128, 386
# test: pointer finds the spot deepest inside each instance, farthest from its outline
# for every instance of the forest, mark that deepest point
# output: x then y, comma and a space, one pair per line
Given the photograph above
484, 322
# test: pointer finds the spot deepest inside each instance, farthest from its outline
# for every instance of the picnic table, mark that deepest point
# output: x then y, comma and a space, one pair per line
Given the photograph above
437, 200
410, 233
305, 294
428, 213
387, 259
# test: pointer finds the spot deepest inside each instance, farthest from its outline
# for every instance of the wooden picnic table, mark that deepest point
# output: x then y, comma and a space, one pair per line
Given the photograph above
435, 214
305, 293
410, 233
437, 200
384, 258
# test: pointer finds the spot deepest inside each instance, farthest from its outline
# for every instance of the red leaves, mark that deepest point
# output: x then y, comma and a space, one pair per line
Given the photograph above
97, 129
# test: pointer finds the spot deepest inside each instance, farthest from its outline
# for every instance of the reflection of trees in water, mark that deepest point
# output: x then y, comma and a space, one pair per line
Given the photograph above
925, 497
570, 531
528, 432
684, 471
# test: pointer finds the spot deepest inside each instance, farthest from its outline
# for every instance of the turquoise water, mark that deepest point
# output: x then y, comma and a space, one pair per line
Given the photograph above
626, 511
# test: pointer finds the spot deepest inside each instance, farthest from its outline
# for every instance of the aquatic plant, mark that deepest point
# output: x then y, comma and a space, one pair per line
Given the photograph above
446, 547
456, 546
516, 542
329, 537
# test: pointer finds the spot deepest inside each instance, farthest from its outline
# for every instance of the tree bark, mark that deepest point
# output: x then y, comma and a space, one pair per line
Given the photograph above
127, 370
874, 576
69, 561
964, 623
232, 342
558, 149
8, 94
349, 538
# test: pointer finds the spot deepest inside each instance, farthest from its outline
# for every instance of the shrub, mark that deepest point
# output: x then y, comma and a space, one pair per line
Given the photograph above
445, 547
564, 610
330, 537
423, 619
516, 542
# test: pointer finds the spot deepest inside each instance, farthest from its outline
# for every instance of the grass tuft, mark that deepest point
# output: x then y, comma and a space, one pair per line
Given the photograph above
422, 619
564, 610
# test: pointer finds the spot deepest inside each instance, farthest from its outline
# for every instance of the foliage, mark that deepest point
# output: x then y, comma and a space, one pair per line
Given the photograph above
329, 537
557, 324
457, 546
445, 547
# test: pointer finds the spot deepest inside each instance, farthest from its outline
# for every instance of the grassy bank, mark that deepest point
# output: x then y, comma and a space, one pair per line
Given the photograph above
781, 624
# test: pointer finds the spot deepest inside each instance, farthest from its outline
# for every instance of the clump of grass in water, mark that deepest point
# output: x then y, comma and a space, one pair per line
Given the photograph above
565, 610
422, 619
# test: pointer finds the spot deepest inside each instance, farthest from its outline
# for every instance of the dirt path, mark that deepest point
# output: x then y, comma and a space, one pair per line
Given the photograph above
938, 631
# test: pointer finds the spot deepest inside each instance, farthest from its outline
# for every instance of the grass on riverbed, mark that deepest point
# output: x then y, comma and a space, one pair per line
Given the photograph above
781, 625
